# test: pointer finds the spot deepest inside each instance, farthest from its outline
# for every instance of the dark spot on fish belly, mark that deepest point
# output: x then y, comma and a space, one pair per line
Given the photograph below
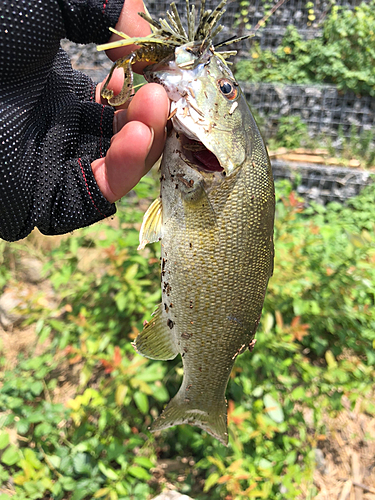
166, 307
186, 335
170, 324
189, 387
167, 288
185, 349
190, 245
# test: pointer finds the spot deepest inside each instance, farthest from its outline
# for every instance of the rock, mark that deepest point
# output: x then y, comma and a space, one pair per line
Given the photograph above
172, 495
320, 461
32, 270
9, 315
353, 163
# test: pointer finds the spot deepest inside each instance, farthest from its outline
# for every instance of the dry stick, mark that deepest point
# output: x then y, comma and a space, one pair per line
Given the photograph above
346, 490
368, 489
356, 472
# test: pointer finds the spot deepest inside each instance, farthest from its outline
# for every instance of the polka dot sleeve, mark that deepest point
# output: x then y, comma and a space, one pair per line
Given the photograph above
50, 127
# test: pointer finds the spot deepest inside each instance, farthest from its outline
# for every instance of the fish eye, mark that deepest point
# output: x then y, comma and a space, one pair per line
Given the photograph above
228, 89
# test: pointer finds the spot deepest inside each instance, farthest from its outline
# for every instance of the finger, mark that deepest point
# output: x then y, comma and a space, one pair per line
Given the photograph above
150, 105
133, 25
124, 164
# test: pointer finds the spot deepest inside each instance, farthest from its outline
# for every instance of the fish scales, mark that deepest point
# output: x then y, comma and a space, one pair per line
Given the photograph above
215, 276
214, 218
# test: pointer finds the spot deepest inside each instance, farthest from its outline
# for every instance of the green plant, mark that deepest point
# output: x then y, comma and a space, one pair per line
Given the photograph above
315, 344
291, 133
343, 55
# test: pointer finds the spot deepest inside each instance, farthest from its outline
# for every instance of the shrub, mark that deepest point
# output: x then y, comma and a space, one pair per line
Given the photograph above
315, 343
344, 54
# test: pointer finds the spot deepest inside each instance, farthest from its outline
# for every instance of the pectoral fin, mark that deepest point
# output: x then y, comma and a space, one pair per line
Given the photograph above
151, 225
156, 340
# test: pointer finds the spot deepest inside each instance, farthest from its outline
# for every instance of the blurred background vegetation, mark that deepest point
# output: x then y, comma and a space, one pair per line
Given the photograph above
76, 400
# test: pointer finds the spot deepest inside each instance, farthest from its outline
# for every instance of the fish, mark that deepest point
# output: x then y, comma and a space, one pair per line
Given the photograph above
214, 218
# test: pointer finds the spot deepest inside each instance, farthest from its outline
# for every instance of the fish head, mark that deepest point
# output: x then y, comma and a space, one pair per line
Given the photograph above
207, 107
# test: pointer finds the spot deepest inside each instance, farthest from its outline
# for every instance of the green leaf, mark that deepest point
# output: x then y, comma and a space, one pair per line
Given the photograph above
121, 299
139, 473
273, 409
55, 460
120, 394
4, 440
11, 455
68, 483
144, 462
298, 393
81, 463
107, 471
22, 426
85, 375
265, 464
211, 481
141, 400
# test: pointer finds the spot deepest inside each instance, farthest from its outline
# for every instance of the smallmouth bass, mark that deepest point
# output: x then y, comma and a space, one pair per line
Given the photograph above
214, 218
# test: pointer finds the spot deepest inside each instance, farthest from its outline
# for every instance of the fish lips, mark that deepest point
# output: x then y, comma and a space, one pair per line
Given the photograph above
188, 120
198, 149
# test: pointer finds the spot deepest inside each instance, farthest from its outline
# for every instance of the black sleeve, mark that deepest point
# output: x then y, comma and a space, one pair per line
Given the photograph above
50, 127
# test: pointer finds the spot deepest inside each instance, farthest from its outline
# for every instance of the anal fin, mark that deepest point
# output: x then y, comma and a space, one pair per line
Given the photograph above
156, 340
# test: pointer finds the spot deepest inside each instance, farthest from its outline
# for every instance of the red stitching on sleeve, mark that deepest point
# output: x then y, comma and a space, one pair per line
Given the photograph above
101, 133
104, 6
87, 187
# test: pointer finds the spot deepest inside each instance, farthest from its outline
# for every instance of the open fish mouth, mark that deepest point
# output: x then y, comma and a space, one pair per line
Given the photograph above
196, 153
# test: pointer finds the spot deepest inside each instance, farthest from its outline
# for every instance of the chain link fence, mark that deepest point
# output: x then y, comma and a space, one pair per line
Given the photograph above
294, 12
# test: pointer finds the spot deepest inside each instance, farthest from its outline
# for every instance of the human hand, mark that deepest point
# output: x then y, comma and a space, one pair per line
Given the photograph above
139, 130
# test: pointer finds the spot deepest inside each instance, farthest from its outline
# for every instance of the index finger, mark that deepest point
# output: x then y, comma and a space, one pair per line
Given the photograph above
132, 25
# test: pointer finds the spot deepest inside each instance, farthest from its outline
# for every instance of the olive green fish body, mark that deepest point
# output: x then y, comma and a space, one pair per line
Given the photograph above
217, 259
216, 233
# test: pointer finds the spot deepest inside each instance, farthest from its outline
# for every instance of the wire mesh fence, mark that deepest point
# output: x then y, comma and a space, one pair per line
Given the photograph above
320, 183
242, 16
324, 109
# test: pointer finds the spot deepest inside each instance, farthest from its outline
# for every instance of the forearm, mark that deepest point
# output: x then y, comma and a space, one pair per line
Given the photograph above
48, 135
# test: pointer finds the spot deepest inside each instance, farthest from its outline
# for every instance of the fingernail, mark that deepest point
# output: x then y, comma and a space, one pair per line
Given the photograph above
119, 120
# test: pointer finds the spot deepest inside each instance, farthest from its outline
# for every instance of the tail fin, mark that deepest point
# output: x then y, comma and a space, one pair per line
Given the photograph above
180, 410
